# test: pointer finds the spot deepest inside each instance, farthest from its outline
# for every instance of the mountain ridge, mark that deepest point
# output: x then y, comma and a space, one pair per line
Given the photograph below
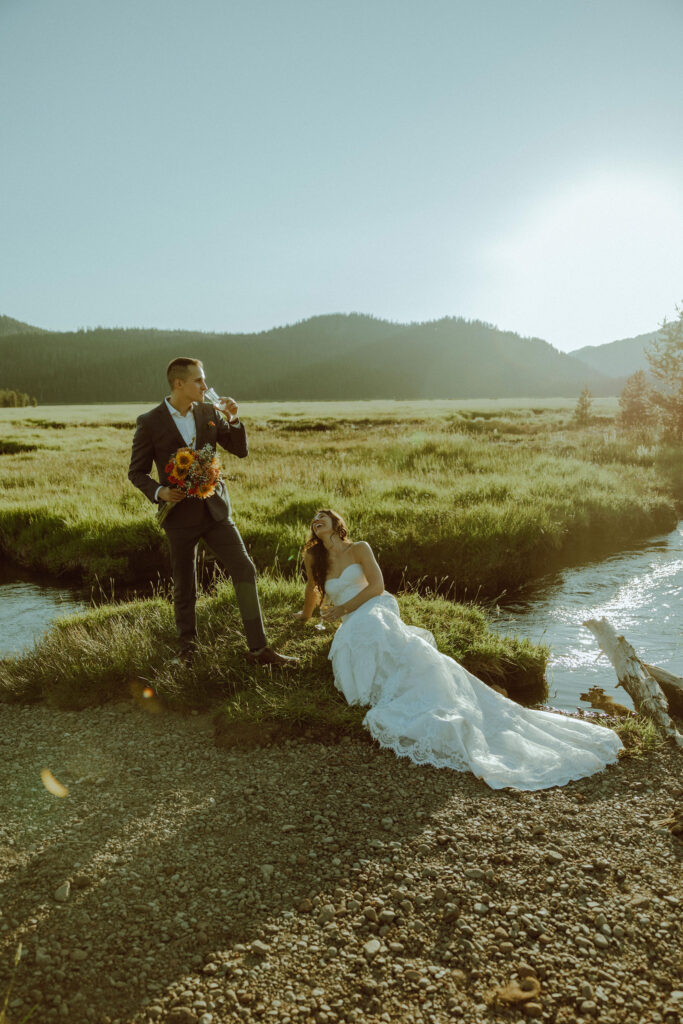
326, 357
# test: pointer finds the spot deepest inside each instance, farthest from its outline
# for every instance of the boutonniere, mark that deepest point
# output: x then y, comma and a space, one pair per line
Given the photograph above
211, 423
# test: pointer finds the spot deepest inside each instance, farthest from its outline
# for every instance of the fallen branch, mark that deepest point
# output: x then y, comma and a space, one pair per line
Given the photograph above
635, 677
671, 685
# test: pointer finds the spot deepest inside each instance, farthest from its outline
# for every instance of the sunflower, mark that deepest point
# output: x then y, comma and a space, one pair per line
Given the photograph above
183, 459
205, 490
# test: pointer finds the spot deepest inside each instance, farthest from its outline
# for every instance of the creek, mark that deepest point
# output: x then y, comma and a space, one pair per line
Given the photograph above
638, 590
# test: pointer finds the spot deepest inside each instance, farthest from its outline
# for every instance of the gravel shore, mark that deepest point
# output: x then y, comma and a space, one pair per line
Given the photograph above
183, 883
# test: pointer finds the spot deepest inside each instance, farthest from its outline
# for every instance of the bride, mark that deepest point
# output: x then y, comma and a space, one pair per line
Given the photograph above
423, 704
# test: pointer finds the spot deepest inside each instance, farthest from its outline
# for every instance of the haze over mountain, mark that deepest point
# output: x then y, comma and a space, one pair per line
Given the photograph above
617, 358
332, 357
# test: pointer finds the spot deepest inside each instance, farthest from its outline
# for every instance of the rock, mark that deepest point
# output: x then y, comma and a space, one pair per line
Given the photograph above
259, 948
481, 909
601, 941
267, 870
450, 912
586, 990
476, 874
554, 857
305, 906
387, 917
533, 1009
181, 1015
154, 1012
371, 948
327, 914
387, 823
588, 1007
62, 894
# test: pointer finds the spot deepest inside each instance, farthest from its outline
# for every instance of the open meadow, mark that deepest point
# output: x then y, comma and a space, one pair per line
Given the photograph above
460, 500
475, 499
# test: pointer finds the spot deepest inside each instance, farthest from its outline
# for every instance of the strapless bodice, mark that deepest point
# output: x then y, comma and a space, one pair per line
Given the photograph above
345, 586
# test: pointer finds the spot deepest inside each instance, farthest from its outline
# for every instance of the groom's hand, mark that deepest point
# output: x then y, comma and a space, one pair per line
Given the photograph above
229, 407
171, 494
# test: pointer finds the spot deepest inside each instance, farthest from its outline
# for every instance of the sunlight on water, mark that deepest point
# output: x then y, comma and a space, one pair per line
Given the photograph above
26, 611
638, 591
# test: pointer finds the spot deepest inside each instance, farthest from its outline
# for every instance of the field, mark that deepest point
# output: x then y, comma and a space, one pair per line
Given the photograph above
473, 501
462, 500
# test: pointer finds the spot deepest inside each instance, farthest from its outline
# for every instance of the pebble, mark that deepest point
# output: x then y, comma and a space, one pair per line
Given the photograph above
327, 914
372, 948
181, 1015
63, 892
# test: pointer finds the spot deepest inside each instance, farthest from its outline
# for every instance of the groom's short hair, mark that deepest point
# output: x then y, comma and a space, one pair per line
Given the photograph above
179, 368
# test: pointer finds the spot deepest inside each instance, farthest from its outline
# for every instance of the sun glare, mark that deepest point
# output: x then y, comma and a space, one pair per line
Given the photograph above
607, 247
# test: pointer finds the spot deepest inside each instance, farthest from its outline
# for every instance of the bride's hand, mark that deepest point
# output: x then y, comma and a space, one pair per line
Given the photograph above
332, 612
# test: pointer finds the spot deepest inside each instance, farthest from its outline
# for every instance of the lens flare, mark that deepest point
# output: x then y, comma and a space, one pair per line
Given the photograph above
52, 785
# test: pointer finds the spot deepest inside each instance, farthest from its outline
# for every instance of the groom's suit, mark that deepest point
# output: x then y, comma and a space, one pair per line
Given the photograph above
157, 439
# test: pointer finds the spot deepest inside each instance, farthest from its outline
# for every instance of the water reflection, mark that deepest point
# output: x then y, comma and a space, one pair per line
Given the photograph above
27, 609
639, 591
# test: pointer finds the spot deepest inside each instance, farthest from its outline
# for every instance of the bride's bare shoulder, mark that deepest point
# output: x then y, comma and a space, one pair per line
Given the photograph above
360, 548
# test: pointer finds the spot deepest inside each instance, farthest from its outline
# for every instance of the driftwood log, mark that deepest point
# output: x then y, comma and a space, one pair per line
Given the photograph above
637, 678
671, 685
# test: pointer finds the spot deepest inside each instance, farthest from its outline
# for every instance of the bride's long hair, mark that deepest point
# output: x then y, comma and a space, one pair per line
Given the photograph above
318, 551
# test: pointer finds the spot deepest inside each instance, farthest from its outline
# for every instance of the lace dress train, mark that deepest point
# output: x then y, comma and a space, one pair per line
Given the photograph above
425, 706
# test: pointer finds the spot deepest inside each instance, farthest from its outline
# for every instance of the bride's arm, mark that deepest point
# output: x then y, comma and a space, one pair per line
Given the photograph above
375, 587
311, 593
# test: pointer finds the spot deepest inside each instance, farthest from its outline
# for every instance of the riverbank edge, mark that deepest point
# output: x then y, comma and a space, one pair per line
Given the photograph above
147, 565
126, 650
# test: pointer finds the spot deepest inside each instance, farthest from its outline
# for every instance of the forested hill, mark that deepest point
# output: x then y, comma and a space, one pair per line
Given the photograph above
331, 357
10, 326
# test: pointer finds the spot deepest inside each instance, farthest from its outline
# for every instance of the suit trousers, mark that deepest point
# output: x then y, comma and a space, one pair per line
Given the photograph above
225, 541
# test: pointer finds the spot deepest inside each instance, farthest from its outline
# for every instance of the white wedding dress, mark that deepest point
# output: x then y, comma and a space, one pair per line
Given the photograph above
425, 706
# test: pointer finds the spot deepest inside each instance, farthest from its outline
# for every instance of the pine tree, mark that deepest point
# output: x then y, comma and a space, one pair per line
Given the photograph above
635, 402
583, 411
665, 356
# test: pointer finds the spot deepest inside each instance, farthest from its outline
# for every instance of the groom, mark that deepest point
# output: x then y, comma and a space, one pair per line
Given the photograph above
183, 421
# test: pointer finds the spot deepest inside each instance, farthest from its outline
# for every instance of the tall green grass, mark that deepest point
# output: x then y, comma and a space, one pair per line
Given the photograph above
118, 651
474, 501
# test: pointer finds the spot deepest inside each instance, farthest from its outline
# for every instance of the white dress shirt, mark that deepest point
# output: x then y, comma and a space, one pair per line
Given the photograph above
186, 424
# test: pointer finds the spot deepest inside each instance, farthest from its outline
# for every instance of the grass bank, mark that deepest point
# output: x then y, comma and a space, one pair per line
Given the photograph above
118, 651
472, 498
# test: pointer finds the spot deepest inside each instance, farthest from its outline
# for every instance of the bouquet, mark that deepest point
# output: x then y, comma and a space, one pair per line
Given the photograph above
197, 472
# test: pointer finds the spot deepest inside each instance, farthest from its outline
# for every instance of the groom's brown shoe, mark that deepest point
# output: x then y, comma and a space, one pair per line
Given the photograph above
267, 656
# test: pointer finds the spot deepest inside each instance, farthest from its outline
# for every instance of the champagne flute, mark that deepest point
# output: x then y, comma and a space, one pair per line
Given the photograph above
211, 397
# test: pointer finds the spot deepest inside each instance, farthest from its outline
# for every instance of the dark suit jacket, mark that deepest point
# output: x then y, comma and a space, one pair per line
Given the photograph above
157, 439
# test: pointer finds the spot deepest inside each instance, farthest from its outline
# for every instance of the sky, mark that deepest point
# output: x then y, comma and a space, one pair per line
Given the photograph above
234, 165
